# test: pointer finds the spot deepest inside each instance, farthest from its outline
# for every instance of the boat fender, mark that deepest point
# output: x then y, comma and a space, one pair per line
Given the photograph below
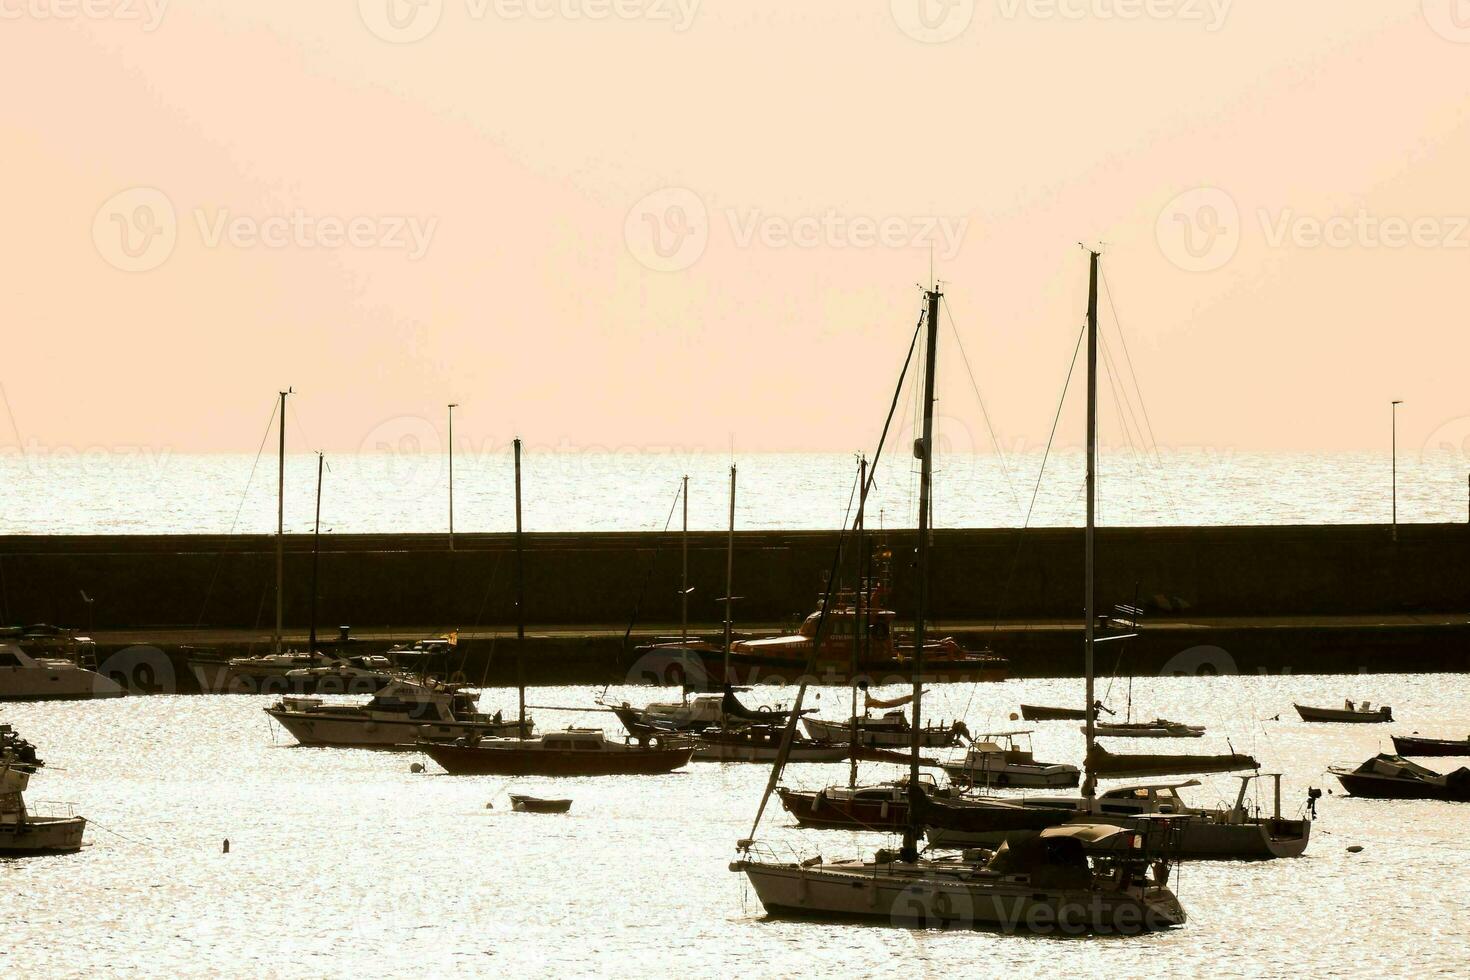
883, 810
656, 742
416, 767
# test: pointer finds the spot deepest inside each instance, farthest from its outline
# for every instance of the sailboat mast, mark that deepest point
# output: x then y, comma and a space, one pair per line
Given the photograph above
860, 623
684, 575
925, 451
316, 550
280, 527
1089, 784
729, 574
520, 602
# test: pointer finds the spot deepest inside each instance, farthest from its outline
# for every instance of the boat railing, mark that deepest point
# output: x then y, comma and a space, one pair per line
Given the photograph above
53, 809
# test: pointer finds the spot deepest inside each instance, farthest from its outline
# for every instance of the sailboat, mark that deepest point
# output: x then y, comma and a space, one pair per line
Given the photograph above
22, 830
1094, 878
573, 752
1215, 833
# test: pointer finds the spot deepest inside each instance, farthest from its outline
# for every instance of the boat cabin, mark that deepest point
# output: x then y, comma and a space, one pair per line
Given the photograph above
575, 739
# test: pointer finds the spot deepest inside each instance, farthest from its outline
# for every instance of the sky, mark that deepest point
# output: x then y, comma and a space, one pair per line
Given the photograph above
671, 223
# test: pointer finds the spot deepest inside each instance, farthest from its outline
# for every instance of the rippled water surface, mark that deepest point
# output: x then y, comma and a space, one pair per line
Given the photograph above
373, 492
343, 861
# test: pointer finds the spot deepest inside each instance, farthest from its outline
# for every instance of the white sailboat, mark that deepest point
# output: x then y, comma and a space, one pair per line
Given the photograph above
1093, 878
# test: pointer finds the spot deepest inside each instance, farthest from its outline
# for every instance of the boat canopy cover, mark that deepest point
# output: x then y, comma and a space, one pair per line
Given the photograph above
873, 702
732, 707
1103, 763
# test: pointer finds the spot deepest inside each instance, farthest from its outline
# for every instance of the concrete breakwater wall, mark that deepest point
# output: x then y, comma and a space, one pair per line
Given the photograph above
122, 581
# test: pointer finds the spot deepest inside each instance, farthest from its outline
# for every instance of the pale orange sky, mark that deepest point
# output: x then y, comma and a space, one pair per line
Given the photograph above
521, 147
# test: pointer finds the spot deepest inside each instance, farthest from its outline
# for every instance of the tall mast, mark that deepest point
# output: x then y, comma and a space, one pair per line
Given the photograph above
860, 622
729, 575
925, 452
280, 526
316, 551
520, 601
684, 576
1089, 784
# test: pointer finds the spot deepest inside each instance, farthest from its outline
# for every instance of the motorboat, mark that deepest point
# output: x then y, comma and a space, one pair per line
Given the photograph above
23, 831
1158, 728
573, 752
881, 807
997, 760
1223, 833
1392, 777
762, 743
356, 675
723, 711
1363, 714
1417, 745
1076, 878
890, 730
24, 677
397, 715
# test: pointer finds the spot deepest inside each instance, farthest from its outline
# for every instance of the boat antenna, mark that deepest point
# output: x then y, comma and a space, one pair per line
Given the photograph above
520, 601
1089, 783
280, 525
925, 451
316, 550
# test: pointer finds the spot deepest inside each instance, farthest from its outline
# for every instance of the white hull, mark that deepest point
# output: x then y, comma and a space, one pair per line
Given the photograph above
42, 683
41, 835
329, 730
934, 901
882, 738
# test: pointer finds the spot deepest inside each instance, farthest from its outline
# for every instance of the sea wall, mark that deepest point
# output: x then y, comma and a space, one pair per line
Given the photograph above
601, 578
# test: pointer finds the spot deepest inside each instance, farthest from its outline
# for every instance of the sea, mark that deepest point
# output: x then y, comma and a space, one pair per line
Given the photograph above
347, 862
122, 491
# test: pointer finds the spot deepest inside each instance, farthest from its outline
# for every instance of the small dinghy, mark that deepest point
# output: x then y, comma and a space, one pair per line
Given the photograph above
1365, 714
1041, 712
531, 804
1158, 728
1415, 745
1392, 777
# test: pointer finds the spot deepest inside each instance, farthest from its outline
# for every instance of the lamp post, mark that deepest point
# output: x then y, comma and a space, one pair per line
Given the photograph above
452, 407
1394, 451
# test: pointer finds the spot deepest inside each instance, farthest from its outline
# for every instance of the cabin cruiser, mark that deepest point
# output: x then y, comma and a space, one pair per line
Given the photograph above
881, 807
1075, 878
397, 715
890, 730
27, 678
573, 752
723, 711
1158, 728
996, 760
762, 743
1204, 833
1392, 777
23, 831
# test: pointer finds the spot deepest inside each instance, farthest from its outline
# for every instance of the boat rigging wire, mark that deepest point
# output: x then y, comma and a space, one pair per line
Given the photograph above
789, 734
1005, 468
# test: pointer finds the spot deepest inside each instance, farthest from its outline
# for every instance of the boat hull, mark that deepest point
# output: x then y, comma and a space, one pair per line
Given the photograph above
1410, 745
935, 903
1038, 712
487, 759
1389, 788
338, 732
1200, 840
42, 835
1343, 715
879, 737
1015, 777
818, 810
68, 684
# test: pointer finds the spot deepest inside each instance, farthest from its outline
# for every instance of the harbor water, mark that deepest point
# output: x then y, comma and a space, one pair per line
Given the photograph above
345, 862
